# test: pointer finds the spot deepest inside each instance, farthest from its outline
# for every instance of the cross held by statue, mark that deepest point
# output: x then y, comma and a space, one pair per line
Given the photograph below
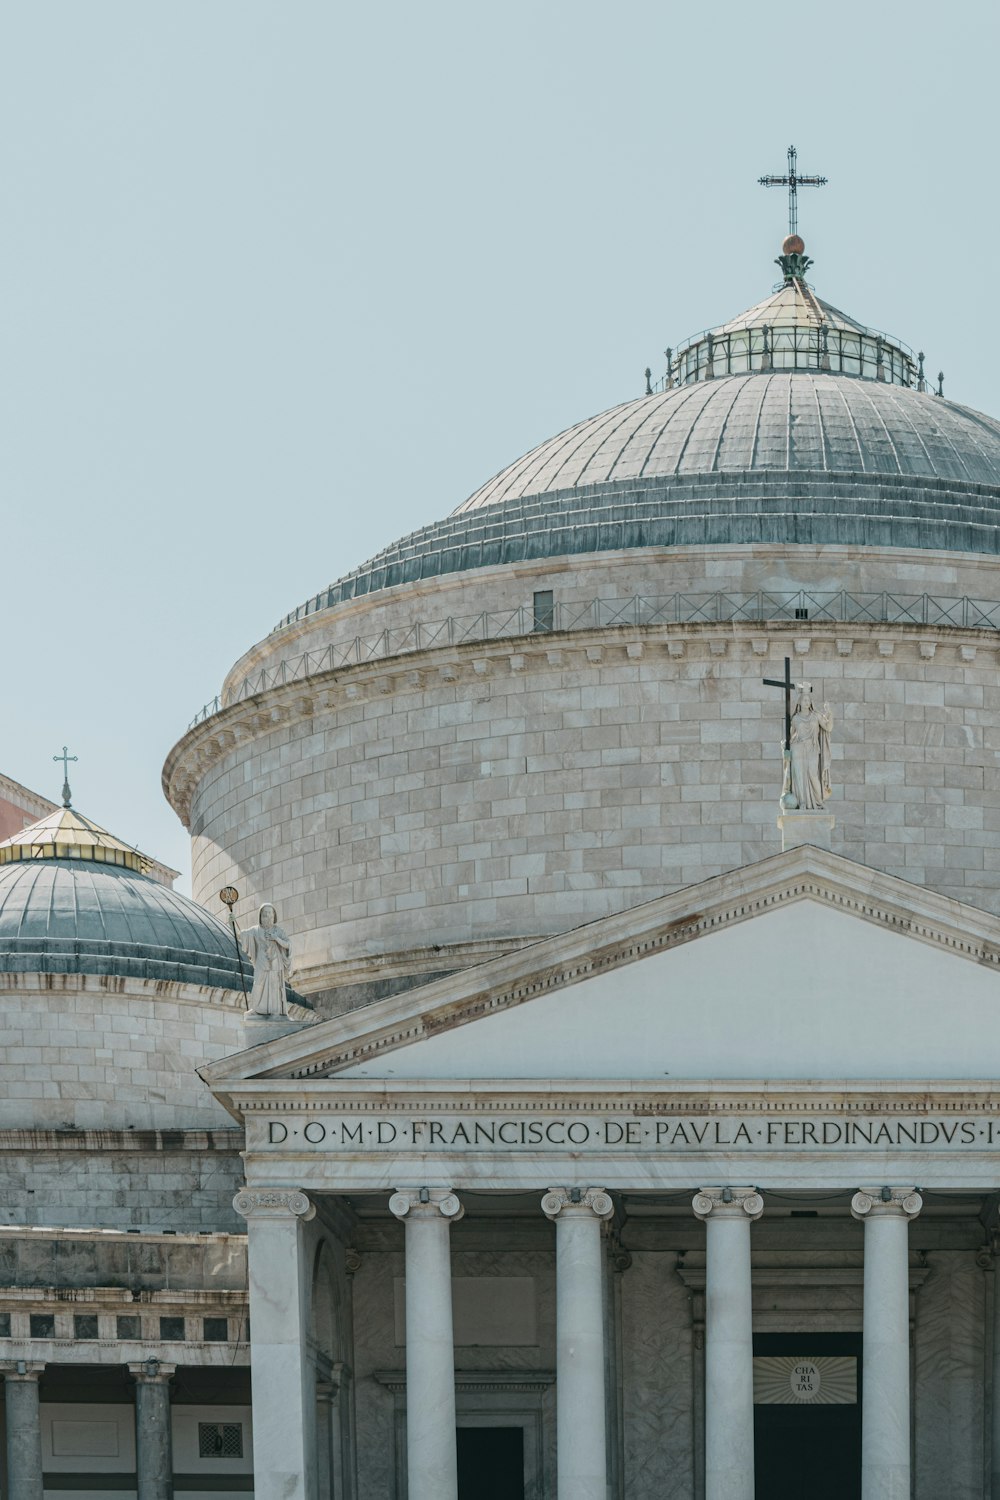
786, 683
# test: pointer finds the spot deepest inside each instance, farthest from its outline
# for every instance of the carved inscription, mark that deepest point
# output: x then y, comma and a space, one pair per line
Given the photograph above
347, 1134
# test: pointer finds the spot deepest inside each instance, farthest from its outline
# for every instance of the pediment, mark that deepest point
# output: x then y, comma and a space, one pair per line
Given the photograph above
802, 966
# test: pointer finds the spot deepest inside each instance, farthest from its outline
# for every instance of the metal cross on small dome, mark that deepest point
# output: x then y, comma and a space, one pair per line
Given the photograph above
793, 180
66, 758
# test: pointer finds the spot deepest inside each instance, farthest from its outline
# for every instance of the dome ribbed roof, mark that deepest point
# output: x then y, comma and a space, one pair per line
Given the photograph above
797, 422
76, 917
803, 457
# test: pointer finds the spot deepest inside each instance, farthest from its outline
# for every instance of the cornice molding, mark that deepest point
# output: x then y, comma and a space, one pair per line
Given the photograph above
39, 984
225, 1139
692, 1097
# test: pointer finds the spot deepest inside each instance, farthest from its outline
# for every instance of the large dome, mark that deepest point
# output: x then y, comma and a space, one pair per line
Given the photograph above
75, 917
796, 422
557, 701
783, 457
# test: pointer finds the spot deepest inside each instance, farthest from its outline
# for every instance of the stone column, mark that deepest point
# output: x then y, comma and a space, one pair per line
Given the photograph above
326, 1396
885, 1405
153, 1448
281, 1373
24, 1431
727, 1214
581, 1415
995, 1415
431, 1457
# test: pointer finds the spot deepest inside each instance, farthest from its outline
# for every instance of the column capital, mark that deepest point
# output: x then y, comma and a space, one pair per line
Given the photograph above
573, 1202
22, 1369
151, 1371
727, 1202
273, 1203
886, 1202
426, 1203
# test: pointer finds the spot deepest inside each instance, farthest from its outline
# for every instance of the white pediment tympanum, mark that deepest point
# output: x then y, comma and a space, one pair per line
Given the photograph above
803, 966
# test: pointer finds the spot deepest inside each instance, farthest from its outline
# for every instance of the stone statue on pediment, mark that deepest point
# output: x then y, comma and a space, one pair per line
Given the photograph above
807, 764
269, 950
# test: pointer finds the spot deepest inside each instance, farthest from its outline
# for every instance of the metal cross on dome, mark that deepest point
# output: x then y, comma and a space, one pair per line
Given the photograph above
793, 180
66, 758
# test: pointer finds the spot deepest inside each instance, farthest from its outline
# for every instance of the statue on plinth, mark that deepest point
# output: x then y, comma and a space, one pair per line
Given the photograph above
807, 754
269, 950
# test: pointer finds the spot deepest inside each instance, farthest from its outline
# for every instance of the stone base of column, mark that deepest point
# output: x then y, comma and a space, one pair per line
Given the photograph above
806, 828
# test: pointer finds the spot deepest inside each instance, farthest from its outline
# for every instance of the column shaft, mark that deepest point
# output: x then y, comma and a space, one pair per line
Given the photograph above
995, 1427
281, 1373
431, 1456
24, 1436
729, 1447
581, 1413
885, 1405
728, 1361
153, 1447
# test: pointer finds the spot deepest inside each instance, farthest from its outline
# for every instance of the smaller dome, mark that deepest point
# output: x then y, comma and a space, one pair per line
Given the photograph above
71, 916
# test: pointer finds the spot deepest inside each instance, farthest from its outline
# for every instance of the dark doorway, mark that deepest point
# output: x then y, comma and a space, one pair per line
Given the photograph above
491, 1463
800, 1448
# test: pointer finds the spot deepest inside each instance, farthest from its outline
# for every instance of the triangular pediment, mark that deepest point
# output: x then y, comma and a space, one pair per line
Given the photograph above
804, 965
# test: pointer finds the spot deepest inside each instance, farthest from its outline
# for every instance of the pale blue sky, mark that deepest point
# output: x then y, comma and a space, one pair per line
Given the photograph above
280, 282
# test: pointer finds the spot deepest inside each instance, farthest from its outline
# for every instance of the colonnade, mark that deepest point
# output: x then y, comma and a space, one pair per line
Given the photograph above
154, 1469
283, 1463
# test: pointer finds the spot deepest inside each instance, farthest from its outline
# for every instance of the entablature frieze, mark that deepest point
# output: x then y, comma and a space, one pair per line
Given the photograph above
635, 1138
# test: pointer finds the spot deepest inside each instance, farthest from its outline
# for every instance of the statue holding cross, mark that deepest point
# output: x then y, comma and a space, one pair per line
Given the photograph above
805, 750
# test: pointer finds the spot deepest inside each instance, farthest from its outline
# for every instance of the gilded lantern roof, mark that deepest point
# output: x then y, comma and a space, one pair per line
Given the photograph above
67, 834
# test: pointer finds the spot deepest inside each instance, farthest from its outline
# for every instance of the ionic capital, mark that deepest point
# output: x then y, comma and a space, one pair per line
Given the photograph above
570, 1202
886, 1202
22, 1369
274, 1203
152, 1371
426, 1203
728, 1202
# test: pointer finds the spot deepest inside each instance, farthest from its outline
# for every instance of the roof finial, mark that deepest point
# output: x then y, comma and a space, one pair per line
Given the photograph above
940, 389
793, 260
921, 381
649, 381
66, 758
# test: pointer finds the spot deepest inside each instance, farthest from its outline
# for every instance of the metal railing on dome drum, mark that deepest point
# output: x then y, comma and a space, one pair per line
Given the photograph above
723, 607
778, 346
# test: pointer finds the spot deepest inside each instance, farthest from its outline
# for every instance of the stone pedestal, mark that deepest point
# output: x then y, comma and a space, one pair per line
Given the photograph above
281, 1371
806, 828
153, 1454
729, 1463
582, 1462
885, 1402
431, 1455
24, 1431
258, 1029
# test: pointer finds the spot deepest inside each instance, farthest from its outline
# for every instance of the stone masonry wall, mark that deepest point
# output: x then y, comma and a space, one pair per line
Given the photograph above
473, 797
82, 1051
